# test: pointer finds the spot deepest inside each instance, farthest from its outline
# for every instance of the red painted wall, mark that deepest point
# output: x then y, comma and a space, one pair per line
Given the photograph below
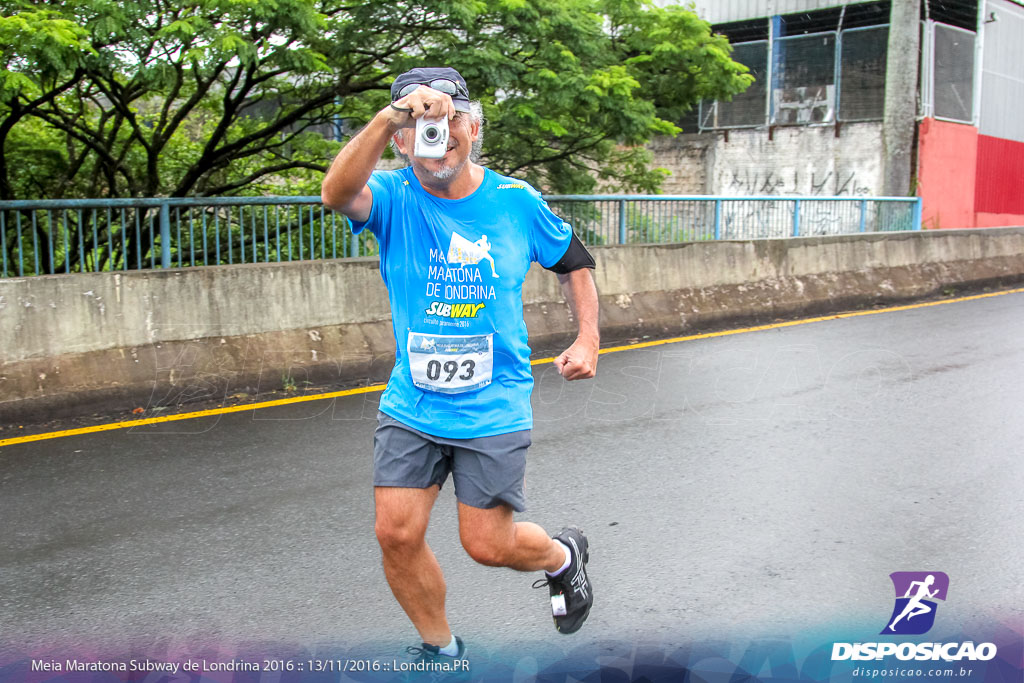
947, 158
998, 220
999, 187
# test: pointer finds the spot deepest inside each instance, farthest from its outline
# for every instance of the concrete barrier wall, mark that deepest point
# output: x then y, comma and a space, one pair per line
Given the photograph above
102, 341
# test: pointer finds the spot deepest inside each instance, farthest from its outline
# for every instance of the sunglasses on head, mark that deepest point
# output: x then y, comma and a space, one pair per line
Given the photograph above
447, 86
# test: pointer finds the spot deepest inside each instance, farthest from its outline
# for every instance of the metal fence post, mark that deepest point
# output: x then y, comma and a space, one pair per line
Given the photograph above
353, 245
917, 213
863, 214
622, 221
67, 242
718, 219
165, 235
837, 76
796, 218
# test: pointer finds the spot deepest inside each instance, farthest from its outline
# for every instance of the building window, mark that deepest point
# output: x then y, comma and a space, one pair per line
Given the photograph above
807, 86
808, 74
862, 73
746, 110
804, 79
952, 80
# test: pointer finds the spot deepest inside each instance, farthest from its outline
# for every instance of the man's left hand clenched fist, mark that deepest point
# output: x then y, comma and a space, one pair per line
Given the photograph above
579, 361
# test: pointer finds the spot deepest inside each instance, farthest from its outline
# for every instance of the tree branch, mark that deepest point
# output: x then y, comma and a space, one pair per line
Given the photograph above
268, 170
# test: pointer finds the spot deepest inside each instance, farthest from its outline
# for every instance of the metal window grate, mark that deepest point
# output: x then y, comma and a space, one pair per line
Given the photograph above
862, 73
804, 87
747, 109
953, 73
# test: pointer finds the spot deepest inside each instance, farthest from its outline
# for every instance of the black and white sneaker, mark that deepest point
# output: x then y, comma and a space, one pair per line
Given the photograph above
432, 653
571, 592
429, 664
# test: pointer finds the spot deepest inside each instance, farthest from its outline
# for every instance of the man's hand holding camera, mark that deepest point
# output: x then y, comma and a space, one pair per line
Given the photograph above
431, 110
423, 101
344, 187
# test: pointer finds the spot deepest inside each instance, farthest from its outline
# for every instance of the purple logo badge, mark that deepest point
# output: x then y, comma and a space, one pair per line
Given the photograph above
916, 593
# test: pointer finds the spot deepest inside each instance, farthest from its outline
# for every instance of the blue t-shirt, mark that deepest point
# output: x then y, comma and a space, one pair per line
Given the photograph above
454, 269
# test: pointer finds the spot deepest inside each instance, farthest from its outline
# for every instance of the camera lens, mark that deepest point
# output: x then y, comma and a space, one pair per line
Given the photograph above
431, 133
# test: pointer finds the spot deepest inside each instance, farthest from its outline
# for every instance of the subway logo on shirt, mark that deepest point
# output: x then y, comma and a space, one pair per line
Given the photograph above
446, 310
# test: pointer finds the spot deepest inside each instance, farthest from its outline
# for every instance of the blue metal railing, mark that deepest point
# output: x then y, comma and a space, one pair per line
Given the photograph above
88, 235
626, 219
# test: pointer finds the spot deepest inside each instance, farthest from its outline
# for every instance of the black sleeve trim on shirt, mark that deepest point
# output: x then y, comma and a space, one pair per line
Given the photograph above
576, 257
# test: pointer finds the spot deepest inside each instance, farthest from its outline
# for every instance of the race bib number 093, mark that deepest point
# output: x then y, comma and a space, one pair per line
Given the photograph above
450, 364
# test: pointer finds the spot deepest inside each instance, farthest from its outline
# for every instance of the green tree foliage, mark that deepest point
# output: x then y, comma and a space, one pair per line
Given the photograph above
209, 97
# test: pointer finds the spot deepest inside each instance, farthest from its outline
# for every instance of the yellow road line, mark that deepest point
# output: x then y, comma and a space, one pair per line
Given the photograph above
790, 323
540, 361
189, 416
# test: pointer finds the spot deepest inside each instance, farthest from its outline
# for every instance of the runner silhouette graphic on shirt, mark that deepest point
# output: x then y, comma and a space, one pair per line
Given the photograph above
466, 253
915, 607
485, 248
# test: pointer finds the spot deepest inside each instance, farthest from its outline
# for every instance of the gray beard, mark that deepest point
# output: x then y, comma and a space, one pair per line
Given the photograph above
444, 173
447, 172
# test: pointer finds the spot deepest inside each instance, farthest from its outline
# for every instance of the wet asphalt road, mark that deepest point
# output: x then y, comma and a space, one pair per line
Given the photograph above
766, 482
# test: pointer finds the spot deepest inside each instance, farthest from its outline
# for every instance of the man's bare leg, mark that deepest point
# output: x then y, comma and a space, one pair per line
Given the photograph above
411, 569
493, 538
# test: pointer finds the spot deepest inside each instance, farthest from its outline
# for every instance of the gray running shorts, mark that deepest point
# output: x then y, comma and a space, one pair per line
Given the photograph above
487, 471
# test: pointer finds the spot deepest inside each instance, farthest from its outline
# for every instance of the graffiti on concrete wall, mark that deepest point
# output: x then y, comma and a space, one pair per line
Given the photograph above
799, 161
805, 161
747, 181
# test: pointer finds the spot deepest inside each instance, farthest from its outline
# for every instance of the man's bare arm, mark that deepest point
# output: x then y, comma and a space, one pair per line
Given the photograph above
344, 187
579, 361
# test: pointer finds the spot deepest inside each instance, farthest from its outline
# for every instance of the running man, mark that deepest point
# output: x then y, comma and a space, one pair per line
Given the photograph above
458, 399
915, 607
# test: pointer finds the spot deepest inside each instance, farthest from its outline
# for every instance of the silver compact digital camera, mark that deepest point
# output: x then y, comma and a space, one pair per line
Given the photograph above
431, 138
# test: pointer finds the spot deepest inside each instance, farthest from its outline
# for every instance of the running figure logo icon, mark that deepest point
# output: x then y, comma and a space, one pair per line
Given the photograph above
467, 253
916, 592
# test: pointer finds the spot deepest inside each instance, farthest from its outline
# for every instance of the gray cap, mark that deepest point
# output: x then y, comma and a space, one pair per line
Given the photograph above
427, 76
